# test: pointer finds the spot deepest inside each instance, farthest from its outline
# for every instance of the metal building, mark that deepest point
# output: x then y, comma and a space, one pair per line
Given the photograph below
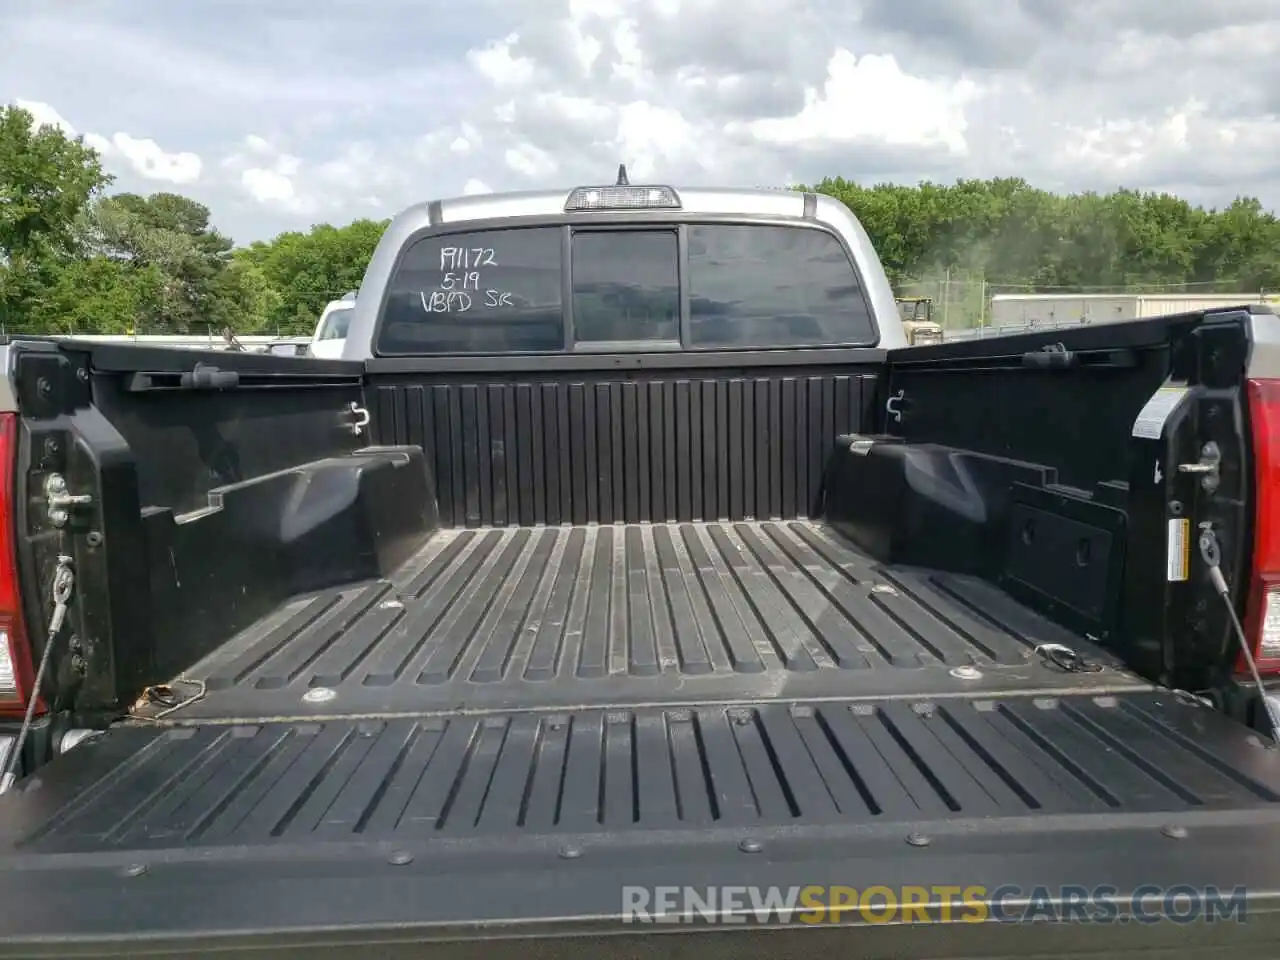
1062, 309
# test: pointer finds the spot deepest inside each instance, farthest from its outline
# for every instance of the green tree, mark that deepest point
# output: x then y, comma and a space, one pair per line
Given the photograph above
74, 260
243, 299
1007, 234
1244, 240
47, 179
172, 235
308, 270
96, 295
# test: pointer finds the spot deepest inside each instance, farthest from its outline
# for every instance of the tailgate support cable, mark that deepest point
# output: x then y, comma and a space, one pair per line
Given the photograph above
63, 580
1211, 554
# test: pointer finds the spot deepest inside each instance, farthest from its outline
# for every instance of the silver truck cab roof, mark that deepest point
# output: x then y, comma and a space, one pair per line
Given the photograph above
550, 206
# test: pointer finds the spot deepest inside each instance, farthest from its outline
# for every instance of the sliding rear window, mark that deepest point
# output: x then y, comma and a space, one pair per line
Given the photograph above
696, 287
492, 291
626, 288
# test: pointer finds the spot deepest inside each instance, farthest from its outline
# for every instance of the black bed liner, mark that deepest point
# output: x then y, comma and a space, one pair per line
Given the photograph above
556, 617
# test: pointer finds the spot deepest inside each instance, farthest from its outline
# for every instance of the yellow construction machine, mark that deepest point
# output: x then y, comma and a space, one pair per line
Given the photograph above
917, 320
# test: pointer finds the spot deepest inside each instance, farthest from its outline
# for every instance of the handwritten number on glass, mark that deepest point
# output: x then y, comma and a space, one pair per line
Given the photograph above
466, 258
460, 274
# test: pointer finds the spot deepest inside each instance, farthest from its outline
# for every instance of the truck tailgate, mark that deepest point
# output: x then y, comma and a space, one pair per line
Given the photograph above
332, 832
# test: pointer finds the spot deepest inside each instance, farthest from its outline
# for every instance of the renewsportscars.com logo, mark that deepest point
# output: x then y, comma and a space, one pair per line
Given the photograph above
1150, 903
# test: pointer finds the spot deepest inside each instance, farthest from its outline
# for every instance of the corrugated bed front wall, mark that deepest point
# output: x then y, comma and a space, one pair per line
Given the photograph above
601, 450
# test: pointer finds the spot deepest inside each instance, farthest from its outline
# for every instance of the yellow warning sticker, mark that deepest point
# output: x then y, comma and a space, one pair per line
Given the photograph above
1178, 549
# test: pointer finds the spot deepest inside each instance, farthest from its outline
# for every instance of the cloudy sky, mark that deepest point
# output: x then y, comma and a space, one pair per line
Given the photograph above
281, 113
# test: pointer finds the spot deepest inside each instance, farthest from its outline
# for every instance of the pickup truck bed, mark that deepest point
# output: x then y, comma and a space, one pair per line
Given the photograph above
626, 696
614, 678
550, 618
648, 674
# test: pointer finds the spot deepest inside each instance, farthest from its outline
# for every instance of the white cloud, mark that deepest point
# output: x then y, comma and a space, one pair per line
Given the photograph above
1186, 145
354, 180
628, 63
1118, 145
363, 111
498, 64
356, 164
530, 161
656, 138
147, 159
454, 141
578, 108
42, 114
474, 186
269, 177
872, 98
269, 186
142, 155
466, 140
586, 48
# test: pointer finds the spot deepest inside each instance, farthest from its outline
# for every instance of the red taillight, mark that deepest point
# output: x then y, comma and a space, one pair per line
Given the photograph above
1262, 611
15, 650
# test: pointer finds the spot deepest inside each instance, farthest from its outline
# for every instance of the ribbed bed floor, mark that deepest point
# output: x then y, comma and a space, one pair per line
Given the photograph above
629, 615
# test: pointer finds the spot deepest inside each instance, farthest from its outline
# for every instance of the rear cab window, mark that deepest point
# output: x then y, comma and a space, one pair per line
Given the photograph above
600, 288
494, 291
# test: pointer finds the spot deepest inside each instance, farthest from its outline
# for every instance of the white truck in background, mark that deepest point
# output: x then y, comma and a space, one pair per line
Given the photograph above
331, 331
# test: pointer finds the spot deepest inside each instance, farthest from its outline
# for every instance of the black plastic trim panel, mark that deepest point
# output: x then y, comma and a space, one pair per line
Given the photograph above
394, 905
725, 362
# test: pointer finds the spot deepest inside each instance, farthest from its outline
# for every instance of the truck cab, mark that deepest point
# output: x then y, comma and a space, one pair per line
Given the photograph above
765, 270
